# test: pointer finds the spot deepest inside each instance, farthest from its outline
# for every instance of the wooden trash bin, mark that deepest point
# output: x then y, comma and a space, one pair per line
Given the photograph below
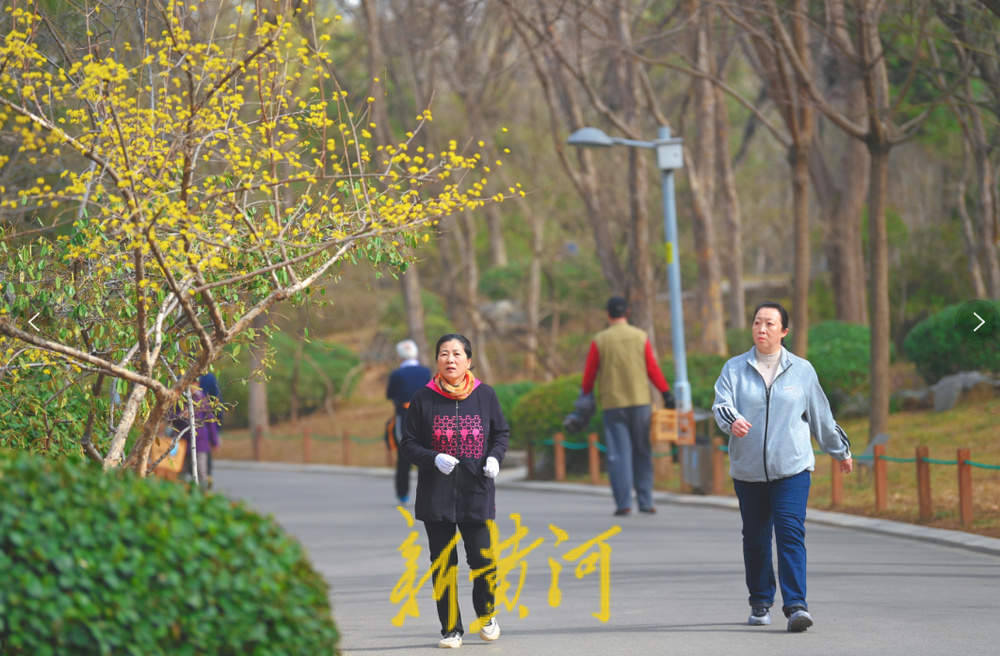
172, 465
671, 426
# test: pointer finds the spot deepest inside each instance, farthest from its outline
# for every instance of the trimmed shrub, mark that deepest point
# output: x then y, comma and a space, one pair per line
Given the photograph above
703, 371
840, 352
108, 563
509, 393
538, 415
938, 346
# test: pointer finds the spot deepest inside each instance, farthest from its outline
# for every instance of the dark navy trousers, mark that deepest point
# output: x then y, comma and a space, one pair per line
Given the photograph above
778, 507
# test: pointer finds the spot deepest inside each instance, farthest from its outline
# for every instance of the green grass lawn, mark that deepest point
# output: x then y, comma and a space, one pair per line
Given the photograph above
974, 425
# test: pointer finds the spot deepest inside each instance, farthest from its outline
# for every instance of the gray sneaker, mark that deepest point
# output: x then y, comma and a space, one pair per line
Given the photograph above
759, 616
799, 620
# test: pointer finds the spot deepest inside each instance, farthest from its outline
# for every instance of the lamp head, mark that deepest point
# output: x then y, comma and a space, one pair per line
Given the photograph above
589, 137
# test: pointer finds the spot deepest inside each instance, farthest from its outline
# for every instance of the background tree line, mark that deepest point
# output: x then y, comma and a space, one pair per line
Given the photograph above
839, 155
850, 146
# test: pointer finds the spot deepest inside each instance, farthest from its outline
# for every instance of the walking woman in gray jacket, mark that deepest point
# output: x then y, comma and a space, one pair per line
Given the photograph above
770, 402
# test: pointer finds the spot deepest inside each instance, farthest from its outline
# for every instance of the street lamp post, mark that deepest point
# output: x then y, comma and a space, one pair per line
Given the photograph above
669, 156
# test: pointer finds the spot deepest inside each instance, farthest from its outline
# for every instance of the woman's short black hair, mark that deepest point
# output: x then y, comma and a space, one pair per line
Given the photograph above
466, 344
774, 306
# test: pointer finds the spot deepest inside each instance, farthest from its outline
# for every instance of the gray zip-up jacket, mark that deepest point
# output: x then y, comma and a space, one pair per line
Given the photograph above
781, 418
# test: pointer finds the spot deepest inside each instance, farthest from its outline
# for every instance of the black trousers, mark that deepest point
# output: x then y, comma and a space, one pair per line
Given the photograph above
476, 538
402, 463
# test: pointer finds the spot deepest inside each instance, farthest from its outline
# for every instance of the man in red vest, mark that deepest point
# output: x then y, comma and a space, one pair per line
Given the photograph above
620, 361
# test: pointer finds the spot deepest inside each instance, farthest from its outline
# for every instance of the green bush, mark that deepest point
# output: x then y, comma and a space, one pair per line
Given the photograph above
840, 354
509, 393
738, 340
703, 371
323, 364
538, 415
45, 412
938, 346
96, 563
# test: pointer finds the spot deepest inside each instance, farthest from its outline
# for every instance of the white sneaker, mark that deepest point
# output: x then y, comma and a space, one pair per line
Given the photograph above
490, 630
451, 641
759, 616
799, 620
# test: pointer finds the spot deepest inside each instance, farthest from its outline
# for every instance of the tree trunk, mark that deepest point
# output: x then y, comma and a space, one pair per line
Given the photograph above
466, 233
257, 384
713, 334
798, 157
534, 295
410, 279
494, 227
989, 215
293, 383
701, 177
412, 301
971, 243
732, 218
841, 191
841, 196
879, 257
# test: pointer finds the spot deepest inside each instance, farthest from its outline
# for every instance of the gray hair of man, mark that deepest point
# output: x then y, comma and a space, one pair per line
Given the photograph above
407, 350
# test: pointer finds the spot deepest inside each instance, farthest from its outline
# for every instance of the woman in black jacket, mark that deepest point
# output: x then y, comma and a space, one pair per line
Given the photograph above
456, 434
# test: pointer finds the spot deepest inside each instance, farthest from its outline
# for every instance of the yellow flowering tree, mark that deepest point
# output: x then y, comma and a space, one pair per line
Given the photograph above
178, 187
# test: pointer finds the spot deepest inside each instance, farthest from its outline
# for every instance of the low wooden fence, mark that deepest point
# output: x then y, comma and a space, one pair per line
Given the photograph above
258, 443
662, 463
880, 461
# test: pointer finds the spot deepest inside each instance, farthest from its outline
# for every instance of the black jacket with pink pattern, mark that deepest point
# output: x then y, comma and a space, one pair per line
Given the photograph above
472, 430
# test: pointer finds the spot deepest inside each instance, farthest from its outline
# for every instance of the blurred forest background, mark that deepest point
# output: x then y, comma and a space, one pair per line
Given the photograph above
781, 106
840, 156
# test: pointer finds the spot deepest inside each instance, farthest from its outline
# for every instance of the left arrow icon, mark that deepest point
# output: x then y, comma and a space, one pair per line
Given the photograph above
32, 319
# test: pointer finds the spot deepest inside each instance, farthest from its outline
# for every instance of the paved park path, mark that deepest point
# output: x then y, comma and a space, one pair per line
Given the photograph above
676, 578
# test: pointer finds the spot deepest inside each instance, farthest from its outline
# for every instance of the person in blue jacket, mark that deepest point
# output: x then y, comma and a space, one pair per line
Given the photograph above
770, 401
456, 435
404, 381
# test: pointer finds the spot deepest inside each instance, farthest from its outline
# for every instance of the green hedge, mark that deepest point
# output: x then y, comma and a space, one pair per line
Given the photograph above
509, 393
941, 345
96, 563
538, 415
703, 371
840, 353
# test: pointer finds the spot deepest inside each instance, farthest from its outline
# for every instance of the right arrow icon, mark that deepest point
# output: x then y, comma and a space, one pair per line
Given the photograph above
981, 321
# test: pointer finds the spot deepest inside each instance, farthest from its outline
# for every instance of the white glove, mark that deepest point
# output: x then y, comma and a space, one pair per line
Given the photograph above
491, 468
445, 463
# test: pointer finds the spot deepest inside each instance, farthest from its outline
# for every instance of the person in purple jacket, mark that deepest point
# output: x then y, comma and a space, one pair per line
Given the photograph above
206, 431
456, 435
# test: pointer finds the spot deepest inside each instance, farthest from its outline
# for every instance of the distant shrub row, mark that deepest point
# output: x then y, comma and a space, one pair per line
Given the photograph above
839, 351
